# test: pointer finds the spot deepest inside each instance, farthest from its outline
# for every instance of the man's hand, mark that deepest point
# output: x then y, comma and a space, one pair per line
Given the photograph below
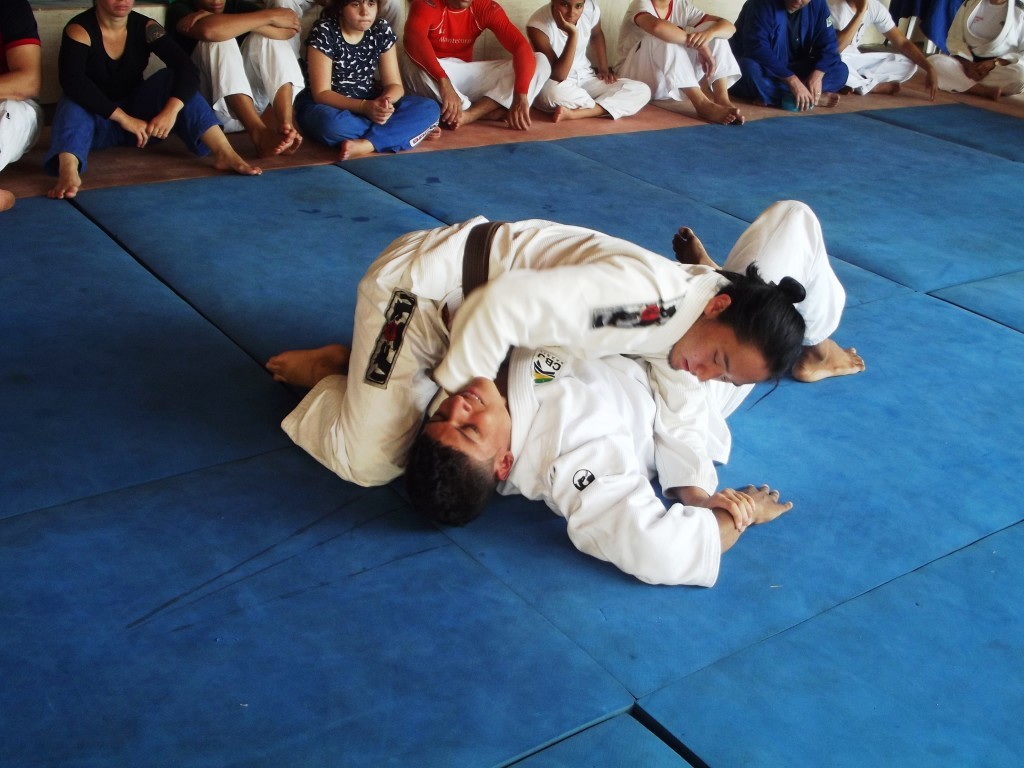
707, 59
801, 95
978, 70
451, 104
738, 504
519, 113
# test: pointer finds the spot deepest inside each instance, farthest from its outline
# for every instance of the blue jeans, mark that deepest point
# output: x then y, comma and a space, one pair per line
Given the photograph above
413, 118
78, 131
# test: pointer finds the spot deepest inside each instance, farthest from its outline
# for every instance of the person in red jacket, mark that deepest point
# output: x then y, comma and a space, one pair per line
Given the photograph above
438, 62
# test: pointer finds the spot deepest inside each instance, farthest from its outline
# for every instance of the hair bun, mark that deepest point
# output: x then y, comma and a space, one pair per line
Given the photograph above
793, 290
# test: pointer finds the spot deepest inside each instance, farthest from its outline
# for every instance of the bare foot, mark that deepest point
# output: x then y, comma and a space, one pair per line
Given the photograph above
711, 112
294, 138
6, 200
886, 89
435, 133
825, 360
689, 249
559, 114
68, 180
722, 100
828, 99
306, 367
992, 92
229, 160
353, 148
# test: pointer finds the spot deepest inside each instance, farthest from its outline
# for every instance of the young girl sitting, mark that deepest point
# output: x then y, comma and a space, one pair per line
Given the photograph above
562, 31
343, 103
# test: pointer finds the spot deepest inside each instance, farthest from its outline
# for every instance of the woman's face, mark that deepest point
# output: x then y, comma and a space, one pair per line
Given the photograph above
118, 8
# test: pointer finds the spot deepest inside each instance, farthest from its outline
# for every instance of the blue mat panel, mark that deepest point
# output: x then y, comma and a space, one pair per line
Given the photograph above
110, 379
926, 241
848, 688
263, 613
617, 743
274, 261
998, 298
868, 461
969, 126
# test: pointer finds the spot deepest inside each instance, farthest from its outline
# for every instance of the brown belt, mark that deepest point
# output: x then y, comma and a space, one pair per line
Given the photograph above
476, 257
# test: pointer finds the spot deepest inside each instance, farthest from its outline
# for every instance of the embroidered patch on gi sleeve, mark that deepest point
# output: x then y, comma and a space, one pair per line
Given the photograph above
634, 316
389, 341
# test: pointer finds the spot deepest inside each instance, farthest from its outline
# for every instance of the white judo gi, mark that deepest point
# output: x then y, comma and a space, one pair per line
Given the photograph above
598, 294
583, 89
963, 40
556, 312
583, 440
667, 67
870, 69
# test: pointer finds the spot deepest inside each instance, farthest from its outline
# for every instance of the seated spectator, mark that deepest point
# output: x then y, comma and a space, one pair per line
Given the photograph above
985, 44
877, 72
788, 55
438, 63
20, 78
676, 48
562, 31
247, 66
389, 10
106, 101
344, 104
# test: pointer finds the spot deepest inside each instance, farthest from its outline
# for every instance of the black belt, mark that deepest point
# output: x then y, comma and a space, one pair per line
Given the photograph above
476, 257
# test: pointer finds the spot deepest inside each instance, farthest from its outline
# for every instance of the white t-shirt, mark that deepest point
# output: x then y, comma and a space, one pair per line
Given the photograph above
544, 20
877, 16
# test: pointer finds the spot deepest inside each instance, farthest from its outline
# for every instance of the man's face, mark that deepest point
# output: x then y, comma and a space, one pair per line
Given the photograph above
458, 5
474, 421
212, 6
792, 6
710, 350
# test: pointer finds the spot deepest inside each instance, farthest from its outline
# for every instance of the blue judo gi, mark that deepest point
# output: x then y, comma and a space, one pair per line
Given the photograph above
772, 45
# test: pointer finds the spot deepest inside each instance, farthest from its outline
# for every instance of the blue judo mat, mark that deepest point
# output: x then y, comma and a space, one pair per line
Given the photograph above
181, 586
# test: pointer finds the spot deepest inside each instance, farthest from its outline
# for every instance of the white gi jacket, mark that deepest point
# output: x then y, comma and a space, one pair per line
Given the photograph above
599, 295
1008, 44
583, 437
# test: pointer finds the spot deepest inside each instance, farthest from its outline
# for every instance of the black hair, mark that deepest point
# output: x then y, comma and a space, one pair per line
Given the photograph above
445, 485
763, 314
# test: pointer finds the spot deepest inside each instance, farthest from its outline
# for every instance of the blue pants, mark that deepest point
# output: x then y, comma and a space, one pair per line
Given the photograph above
78, 131
757, 85
413, 118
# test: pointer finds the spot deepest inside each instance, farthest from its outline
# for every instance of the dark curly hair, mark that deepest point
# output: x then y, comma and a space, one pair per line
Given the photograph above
445, 485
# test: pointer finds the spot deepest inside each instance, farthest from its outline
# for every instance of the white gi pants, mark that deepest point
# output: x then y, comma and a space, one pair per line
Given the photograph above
786, 240
475, 80
622, 98
1009, 77
19, 128
667, 68
870, 69
258, 69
